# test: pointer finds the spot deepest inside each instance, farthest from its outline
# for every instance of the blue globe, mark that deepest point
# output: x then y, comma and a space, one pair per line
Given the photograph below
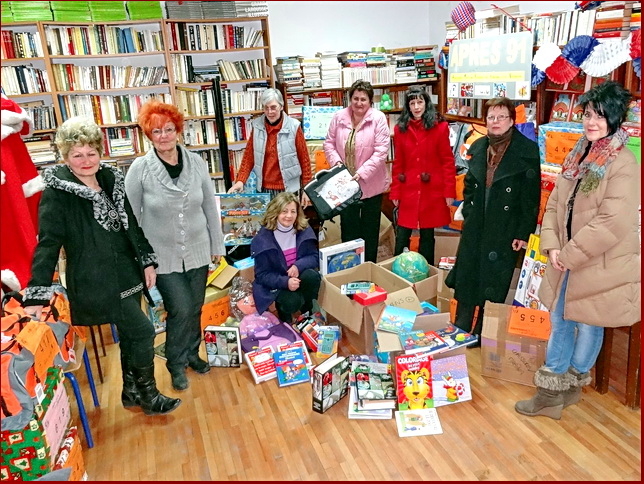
411, 266
342, 261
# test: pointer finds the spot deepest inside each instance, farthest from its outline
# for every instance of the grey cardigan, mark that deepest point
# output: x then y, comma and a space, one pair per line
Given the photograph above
180, 221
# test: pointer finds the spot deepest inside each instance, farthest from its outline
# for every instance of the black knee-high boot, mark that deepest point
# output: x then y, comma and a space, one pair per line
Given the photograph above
152, 401
130, 396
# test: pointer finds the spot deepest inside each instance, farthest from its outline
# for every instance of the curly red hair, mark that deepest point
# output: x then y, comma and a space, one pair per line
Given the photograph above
154, 115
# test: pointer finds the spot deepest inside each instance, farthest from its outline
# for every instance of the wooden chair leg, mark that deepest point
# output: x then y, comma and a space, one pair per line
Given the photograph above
633, 384
98, 360
602, 366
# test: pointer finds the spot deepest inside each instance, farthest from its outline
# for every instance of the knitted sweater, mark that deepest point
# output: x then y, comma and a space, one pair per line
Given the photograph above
180, 221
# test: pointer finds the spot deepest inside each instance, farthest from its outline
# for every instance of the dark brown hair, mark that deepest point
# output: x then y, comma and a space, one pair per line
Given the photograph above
364, 86
503, 102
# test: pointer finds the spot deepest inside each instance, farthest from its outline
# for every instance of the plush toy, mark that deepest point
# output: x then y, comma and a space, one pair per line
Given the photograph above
386, 103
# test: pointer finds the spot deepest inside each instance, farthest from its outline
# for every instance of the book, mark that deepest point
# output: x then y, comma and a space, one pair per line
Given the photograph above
290, 366
450, 380
223, 346
374, 385
159, 351
422, 341
455, 337
354, 412
576, 114
560, 107
396, 320
297, 344
157, 313
330, 382
413, 381
412, 423
261, 364
328, 339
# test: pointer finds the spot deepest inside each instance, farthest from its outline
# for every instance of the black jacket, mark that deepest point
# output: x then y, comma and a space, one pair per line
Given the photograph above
485, 260
71, 216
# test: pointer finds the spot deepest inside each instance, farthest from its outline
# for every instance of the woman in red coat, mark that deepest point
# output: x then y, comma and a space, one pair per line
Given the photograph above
423, 183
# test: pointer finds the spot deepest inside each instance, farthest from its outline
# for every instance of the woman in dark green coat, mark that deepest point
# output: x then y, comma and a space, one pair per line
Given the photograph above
500, 208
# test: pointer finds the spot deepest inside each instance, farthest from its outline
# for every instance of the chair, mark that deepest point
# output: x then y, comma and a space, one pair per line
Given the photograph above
633, 364
79, 348
115, 338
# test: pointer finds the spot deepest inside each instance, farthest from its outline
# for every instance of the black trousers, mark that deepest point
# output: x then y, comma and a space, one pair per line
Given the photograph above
289, 302
136, 333
362, 220
183, 296
425, 248
465, 318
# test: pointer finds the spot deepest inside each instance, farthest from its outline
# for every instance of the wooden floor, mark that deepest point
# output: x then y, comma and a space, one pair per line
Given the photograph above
228, 428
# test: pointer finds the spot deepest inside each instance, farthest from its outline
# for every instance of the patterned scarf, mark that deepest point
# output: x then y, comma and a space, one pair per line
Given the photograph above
495, 151
592, 169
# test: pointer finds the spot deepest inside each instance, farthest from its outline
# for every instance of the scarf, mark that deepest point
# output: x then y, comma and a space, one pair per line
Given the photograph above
591, 170
495, 151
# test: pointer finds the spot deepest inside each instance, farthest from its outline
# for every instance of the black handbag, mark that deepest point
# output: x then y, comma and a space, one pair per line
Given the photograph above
332, 190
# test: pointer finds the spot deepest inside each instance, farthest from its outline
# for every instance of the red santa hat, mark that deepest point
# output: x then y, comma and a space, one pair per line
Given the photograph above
20, 191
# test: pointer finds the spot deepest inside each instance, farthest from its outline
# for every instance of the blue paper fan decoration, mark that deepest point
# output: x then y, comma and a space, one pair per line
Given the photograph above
637, 66
538, 76
578, 49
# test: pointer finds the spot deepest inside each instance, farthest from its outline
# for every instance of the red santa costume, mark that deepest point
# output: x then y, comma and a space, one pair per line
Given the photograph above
20, 193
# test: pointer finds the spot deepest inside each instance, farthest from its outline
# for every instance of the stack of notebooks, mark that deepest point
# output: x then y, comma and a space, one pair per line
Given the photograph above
6, 16
184, 10
218, 9
144, 10
103, 11
249, 9
70, 11
30, 11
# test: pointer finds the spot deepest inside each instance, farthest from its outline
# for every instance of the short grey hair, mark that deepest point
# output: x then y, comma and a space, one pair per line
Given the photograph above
269, 95
78, 130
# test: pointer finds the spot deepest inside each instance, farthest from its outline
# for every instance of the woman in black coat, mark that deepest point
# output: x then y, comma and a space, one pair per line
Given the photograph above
500, 208
109, 261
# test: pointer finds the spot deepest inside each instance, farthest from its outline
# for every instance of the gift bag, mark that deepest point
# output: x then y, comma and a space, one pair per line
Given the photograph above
331, 191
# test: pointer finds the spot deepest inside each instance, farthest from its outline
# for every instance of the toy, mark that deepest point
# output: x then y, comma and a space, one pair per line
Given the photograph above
411, 266
386, 103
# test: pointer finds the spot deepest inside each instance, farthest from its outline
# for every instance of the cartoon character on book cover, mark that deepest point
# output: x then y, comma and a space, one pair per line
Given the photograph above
414, 381
450, 380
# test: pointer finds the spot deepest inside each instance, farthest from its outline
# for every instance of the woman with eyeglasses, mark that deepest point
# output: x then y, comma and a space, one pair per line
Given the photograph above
276, 151
173, 199
590, 233
500, 208
423, 185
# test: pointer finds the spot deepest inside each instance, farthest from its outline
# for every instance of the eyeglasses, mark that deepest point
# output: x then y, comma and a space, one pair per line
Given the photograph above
272, 108
500, 117
158, 132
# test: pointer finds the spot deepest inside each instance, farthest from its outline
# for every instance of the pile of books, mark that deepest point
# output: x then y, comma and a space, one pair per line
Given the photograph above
102, 11
612, 20
425, 63
144, 10
40, 150
311, 72
330, 70
70, 11
288, 72
249, 9
28, 11
186, 10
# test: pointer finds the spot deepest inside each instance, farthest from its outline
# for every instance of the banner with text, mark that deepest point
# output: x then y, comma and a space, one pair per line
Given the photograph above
488, 67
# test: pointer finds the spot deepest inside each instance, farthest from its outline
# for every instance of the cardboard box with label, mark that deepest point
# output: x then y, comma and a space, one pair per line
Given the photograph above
358, 319
508, 353
426, 290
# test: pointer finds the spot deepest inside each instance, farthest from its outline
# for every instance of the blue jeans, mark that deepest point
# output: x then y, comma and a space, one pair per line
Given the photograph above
571, 343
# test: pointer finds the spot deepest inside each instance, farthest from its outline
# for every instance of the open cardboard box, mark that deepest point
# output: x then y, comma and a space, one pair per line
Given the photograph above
426, 289
358, 319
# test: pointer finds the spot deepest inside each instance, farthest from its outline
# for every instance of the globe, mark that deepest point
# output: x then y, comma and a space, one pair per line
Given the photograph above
342, 261
411, 266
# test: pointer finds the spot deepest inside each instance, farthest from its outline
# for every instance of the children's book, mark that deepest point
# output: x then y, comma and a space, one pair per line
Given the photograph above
328, 338
560, 107
374, 385
223, 346
297, 344
577, 110
412, 423
455, 337
260, 363
356, 413
422, 341
396, 320
330, 382
291, 367
450, 380
413, 381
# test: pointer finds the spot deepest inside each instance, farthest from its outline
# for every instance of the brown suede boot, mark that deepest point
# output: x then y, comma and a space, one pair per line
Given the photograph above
577, 380
548, 401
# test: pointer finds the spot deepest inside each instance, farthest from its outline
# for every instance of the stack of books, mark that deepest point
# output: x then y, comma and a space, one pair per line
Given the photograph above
6, 16
102, 11
218, 9
40, 150
311, 72
248, 9
69, 11
144, 10
330, 70
612, 20
33, 11
405, 68
425, 63
186, 10
288, 72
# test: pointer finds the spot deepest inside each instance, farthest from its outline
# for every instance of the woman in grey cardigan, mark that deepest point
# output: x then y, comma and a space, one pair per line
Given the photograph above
173, 199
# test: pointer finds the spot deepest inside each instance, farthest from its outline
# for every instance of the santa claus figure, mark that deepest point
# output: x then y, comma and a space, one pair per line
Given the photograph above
20, 194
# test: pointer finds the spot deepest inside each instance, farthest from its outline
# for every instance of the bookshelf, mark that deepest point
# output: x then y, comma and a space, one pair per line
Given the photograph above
107, 70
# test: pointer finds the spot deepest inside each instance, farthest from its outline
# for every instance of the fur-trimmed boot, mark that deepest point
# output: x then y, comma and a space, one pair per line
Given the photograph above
548, 400
130, 396
152, 401
577, 380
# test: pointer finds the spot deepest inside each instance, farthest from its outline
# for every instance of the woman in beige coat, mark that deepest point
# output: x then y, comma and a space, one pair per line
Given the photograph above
590, 235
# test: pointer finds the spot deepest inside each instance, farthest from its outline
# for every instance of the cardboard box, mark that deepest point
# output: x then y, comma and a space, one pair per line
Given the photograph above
508, 356
224, 278
355, 247
446, 245
427, 289
358, 319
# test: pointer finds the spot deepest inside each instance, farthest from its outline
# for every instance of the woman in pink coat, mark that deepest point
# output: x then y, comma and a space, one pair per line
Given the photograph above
424, 183
358, 136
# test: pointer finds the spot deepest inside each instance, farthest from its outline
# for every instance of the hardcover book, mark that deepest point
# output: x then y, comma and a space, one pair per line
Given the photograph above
396, 319
374, 385
576, 114
330, 382
412, 423
413, 381
260, 363
450, 380
455, 337
297, 344
422, 341
223, 346
355, 412
291, 367
560, 107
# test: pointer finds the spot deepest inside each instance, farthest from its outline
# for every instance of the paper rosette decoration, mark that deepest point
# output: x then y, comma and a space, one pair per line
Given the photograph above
561, 71
606, 57
537, 76
546, 55
637, 66
636, 44
578, 49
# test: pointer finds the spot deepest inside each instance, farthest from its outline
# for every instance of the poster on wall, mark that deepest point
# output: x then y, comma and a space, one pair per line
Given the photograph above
487, 67
316, 120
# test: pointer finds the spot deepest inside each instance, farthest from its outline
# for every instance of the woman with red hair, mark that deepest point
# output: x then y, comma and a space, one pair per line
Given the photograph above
173, 199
